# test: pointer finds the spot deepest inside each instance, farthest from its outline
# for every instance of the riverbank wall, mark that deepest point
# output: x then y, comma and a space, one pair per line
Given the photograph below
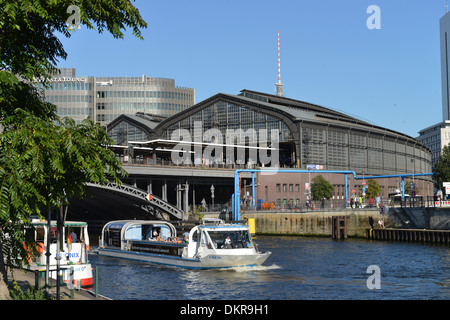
317, 223
432, 218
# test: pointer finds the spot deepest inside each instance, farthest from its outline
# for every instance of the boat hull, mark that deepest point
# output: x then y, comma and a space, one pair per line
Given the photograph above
82, 275
206, 262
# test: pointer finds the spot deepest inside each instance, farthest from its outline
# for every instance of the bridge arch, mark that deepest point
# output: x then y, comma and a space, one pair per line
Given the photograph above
141, 198
112, 202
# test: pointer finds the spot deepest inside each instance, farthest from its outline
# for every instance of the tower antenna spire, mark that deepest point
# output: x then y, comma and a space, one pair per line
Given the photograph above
279, 85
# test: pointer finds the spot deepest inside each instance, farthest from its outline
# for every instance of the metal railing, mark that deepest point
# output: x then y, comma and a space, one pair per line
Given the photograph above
170, 163
144, 161
422, 202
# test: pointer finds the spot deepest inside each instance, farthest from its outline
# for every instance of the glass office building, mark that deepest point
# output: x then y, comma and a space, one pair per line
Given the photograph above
105, 98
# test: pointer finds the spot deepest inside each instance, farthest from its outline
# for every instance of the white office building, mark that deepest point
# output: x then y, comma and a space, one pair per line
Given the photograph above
435, 137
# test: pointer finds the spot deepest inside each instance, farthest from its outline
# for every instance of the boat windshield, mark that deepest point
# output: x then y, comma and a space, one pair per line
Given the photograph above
230, 239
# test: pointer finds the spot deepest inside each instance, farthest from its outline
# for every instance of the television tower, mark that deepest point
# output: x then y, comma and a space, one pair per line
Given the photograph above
279, 85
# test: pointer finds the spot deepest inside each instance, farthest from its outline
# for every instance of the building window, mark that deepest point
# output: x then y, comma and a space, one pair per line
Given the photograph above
297, 188
291, 188
284, 187
278, 188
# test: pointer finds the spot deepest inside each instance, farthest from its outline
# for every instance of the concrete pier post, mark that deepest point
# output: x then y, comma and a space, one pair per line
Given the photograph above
149, 186
164, 190
186, 196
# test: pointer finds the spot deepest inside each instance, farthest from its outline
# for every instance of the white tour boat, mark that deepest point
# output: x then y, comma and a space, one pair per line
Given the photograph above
213, 244
74, 264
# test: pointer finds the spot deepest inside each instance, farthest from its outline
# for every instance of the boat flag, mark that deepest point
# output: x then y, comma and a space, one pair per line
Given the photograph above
69, 242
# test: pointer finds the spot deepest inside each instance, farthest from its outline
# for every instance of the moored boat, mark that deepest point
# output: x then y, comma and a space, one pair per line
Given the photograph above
213, 244
73, 252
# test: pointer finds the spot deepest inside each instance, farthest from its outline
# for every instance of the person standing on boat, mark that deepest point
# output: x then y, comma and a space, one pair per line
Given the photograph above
228, 242
73, 236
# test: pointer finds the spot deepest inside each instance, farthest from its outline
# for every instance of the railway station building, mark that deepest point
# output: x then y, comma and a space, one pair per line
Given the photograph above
259, 130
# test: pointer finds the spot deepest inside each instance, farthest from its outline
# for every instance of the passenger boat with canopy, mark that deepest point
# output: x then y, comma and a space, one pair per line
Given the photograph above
213, 244
73, 252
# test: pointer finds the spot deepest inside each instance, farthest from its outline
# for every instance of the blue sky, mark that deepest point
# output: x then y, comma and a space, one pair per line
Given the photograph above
390, 76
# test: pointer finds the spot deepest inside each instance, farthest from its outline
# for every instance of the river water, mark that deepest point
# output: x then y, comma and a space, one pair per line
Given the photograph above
299, 268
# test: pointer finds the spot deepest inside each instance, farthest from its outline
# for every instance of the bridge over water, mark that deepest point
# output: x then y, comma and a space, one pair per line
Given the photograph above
112, 201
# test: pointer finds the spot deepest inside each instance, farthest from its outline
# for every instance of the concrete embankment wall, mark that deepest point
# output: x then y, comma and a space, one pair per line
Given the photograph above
419, 218
311, 223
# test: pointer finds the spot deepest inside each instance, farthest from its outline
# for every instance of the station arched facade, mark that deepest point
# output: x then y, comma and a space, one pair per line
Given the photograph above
241, 128
308, 134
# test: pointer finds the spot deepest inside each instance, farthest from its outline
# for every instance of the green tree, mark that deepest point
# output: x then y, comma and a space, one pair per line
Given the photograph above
408, 188
373, 189
321, 188
441, 170
44, 160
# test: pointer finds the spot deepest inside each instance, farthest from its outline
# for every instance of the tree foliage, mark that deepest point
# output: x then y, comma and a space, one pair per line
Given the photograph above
44, 160
373, 189
321, 188
408, 188
29, 45
441, 170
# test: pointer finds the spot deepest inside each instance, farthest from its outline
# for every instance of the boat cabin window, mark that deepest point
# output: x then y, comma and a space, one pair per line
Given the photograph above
195, 236
231, 239
40, 234
147, 232
53, 233
164, 232
74, 233
158, 233
112, 237
133, 233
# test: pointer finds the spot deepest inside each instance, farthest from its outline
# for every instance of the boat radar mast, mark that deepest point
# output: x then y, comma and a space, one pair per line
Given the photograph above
279, 85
